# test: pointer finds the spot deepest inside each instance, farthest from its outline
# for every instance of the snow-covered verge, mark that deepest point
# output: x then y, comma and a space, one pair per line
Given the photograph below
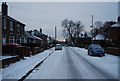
108, 62
6, 57
20, 68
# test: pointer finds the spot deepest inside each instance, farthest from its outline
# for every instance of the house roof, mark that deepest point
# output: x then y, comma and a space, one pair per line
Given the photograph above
6, 16
99, 37
116, 25
27, 35
38, 33
35, 37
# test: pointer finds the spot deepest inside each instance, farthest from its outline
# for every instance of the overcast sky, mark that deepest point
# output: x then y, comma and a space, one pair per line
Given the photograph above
47, 15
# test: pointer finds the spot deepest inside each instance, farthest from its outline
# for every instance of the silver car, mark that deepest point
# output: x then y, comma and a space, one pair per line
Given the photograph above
58, 47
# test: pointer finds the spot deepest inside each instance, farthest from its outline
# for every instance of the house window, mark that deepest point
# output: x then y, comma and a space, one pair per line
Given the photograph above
11, 39
4, 40
25, 40
29, 41
18, 40
22, 40
18, 30
4, 23
18, 25
11, 25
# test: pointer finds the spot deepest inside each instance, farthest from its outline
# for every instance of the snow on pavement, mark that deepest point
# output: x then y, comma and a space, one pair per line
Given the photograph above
6, 57
107, 62
20, 68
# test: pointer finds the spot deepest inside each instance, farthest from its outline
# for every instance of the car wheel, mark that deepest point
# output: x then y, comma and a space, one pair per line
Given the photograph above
103, 55
90, 53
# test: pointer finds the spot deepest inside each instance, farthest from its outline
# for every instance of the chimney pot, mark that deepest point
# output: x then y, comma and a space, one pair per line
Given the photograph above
119, 19
4, 8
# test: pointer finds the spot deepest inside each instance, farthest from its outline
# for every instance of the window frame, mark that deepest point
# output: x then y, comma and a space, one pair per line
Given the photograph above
4, 23
4, 42
18, 39
13, 40
11, 25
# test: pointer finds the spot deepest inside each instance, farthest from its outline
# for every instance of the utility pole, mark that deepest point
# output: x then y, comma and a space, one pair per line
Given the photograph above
55, 33
92, 29
119, 9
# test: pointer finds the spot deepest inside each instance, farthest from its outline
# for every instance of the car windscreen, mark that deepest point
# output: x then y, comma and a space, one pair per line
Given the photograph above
96, 47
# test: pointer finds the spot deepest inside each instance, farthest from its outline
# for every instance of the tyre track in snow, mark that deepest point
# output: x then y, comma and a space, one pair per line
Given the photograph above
30, 71
73, 70
93, 66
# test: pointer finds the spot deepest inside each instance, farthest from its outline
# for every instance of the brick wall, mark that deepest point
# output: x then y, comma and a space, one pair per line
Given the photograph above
6, 62
112, 50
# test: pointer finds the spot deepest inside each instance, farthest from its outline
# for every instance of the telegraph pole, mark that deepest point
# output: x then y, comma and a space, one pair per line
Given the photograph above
119, 9
92, 29
55, 33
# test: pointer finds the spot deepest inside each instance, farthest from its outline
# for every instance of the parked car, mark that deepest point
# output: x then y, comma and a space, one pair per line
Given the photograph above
96, 49
58, 47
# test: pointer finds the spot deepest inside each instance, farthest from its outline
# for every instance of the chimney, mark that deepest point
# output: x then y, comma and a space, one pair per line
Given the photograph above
4, 8
40, 30
119, 19
30, 32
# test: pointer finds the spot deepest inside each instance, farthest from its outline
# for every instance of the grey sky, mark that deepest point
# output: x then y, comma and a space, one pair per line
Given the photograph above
50, 14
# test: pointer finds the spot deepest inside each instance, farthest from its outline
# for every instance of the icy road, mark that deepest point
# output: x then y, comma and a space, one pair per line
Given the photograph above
74, 63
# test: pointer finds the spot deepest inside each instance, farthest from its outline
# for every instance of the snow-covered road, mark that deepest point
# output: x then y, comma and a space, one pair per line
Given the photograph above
74, 63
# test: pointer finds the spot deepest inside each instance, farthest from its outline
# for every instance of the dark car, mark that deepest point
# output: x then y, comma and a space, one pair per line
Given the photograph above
96, 49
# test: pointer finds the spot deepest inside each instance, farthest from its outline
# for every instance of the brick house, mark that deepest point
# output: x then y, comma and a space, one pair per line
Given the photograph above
114, 38
41, 35
114, 33
31, 39
12, 29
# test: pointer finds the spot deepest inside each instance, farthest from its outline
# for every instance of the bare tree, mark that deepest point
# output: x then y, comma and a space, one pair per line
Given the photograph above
96, 28
101, 27
98, 24
72, 29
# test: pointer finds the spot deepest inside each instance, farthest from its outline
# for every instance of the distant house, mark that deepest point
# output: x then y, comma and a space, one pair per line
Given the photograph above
31, 39
99, 39
84, 40
50, 40
41, 35
12, 29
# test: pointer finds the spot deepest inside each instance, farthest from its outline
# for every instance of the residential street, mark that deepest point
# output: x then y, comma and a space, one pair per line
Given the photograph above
61, 40
74, 63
